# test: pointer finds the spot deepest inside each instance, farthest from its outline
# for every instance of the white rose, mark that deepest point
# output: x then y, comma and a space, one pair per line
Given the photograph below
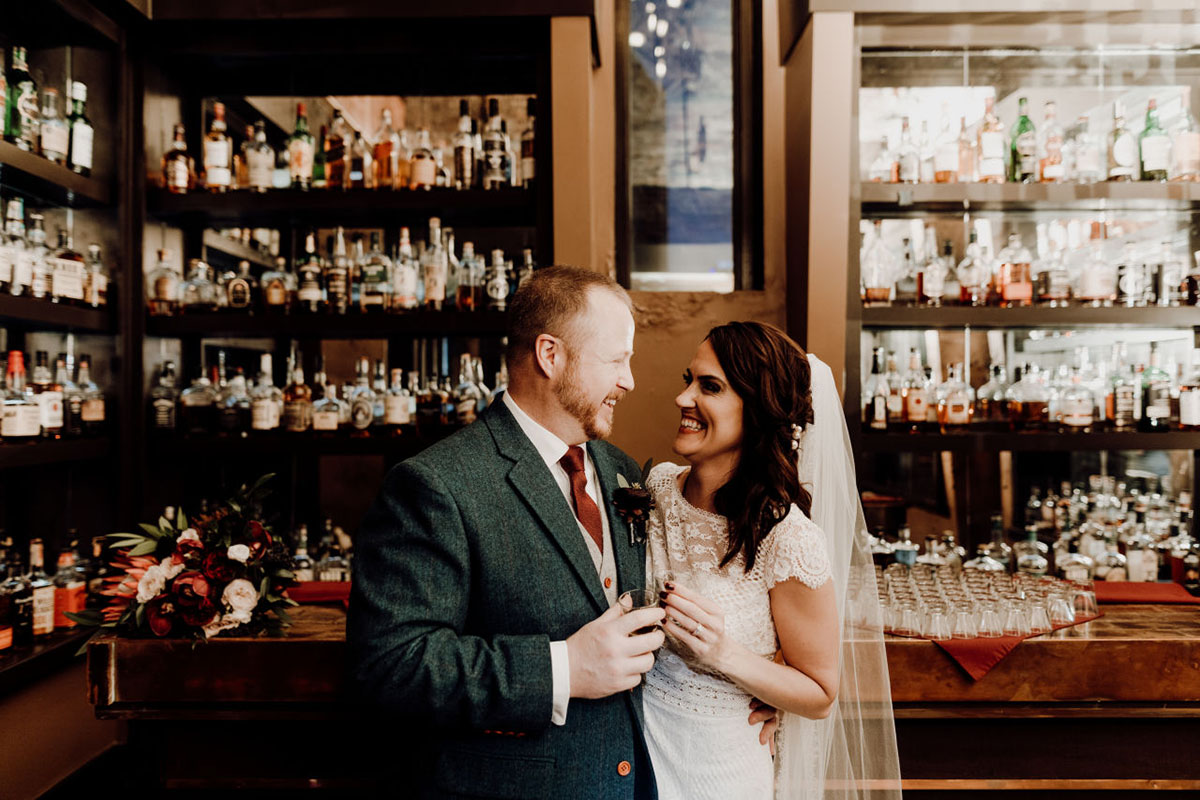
171, 567
239, 553
151, 584
239, 617
190, 533
220, 624
240, 595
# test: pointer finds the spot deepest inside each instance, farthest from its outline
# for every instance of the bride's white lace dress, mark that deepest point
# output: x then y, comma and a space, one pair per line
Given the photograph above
700, 742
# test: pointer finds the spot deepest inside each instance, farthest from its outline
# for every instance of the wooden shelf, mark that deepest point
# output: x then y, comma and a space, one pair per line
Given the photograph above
61, 451
331, 326
281, 444
994, 442
358, 207
883, 198
1033, 317
22, 665
30, 174
42, 313
54, 23
235, 250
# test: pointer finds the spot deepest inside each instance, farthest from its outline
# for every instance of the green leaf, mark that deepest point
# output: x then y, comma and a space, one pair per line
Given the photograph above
83, 647
110, 624
284, 617
290, 602
151, 529
144, 549
140, 616
164, 526
234, 505
89, 617
181, 522
624, 484
264, 587
286, 574
258, 484
646, 469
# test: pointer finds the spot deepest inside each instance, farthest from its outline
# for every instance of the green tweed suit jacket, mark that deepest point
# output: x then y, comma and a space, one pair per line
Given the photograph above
468, 565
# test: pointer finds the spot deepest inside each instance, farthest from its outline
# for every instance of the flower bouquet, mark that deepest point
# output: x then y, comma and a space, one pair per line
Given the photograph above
220, 572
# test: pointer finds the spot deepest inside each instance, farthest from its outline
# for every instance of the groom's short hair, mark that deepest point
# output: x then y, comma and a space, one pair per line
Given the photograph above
550, 302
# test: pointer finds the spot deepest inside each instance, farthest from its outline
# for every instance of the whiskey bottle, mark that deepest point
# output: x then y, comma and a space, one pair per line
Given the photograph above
337, 276
72, 397
497, 282
300, 152
177, 171
1185, 157
162, 288
1023, 146
429, 407
1028, 402
895, 401
386, 155
277, 294
21, 278
53, 132
1156, 396
302, 565
405, 276
907, 155
260, 160
1088, 154
1155, 146
496, 167
43, 591
266, 401
884, 168
14, 614
96, 279
82, 132
48, 396
956, 402
991, 404
361, 173
326, 411
464, 149
241, 291
336, 152
1122, 149
528, 162
422, 165
163, 400
396, 413
198, 293
375, 279
875, 395
218, 153
1050, 147
39, 256
914, 397
234, 407
198, 407
470, 280
379, 385
22, 416
1015, 276
67, 272
22, 104
70, 590
467, 397
434, 265
310, 294
297, 403
362, 400
991, 146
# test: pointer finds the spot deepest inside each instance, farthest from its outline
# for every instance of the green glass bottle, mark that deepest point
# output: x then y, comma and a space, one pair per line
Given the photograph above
318, 165
1023, 165
1154, 146
23, 114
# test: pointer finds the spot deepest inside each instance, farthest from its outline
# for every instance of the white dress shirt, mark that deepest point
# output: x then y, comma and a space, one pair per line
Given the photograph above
552, 449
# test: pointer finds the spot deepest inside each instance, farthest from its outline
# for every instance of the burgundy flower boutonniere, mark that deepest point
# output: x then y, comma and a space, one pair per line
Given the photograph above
634, 503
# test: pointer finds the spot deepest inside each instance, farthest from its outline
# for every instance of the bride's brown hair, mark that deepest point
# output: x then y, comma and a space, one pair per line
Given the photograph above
771, 375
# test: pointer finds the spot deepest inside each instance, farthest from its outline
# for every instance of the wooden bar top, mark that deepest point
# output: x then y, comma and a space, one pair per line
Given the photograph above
1135, 655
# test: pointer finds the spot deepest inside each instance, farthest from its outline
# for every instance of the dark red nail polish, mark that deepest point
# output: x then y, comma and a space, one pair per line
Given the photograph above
670, 586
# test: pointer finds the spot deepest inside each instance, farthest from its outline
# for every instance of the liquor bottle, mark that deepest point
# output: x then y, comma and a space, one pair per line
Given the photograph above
375, 278
467, 397
528, 267
968, 156
1189, 396
1110, 565
23, 252
43, 591
361, 174
379, 385
1122, 148
386, 155
1098, 277
403, 160
405, 276
297, 402
496, 158
991, 404
48, 395
178, 175
414, 390
94, 409
1030, 560
453, 269
945, 155
319, 171
12, 242
198, 407
234, 407
1155, 146
326, 411
164, 397
1028, 402
907, 155
362, 401
1023, 156
1141, 556
434, 265
1052, 283
528, 163
266, 400
396, 414
422, 164
875, 395
1077, 407
337, 145
956, 402
991, 146
429, 406
497, 282
22, 104
218, 153
1015, 276
14, 597
302, 565
914, 396
470, 280
906, 277
22, 416
501, 378
933, 275
337, 276
1185, 156
260, 160
241, 291
464, 149
300, 150
241, 161
39, 254
333, 566
96, 279
310, 294
879, 268
70, 590
53, 132
1156, 396
72, 397
1087, 154
277, 294
997, 548
884, 167
973, 273
162, 288
485, 393
1050, 147
198, 293
67, 271
895, 401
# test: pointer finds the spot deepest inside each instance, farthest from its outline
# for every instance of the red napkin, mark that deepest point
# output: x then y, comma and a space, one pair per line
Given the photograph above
1127, 592
321, 592
978, 656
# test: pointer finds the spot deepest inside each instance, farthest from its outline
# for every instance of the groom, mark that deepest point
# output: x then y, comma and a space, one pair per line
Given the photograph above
482, 618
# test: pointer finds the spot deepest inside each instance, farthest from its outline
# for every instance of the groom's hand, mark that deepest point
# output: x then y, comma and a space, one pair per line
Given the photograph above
606, 657
769, 717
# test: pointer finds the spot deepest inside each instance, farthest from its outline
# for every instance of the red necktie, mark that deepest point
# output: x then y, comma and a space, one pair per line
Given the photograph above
585, 508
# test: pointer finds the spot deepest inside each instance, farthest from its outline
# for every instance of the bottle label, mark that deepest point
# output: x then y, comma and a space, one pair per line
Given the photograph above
264, 415
1077, 412
991, 147
945, 158
1158, 401
1115, 573
1142, 564
66, 278
325, 420
958, 412
82, 136
27, 112
915, 404
1025, 149
43, 610
1052, 171
1097, 283
297, 416
261, 168
1156, 153
20, 420
528, 169
895, 407
435, 281
303, 574
497, 290
23, 269
93, 410
424, 172
8, 255
395, 409
362, 412
1076, 573
1087, 161
55, 139
877, 412
1187, 154
69, 598
51, 409
177, 173
239, 293
300, 159
337, 289
406, 287
275, 293
164, 414
1122, 156
1189, 407
40, 286
310, 287
216, 157
95, 288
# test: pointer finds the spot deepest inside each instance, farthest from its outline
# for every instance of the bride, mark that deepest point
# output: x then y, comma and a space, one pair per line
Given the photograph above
768, 590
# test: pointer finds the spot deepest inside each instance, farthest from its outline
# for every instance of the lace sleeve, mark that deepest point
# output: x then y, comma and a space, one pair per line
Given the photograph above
795, 548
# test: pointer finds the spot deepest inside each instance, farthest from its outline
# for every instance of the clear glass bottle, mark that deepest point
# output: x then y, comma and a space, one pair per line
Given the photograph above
302, 565
22, 415
875, 395
1029, 402
235, 409
337, 275
310, 291
93, 411
956, 402
218, 153
1189, 396
198, 407
379, 385
991, 404
405, 276
1031, 559
198, 293
467, 397
1015, 276
386, 154
908, 155
884, 168
925, 153
422, 164
297, 402
362, 401
974, 273
361, 173
1154, 146
96, 279
1023, 146
396, 414
464, 149
1110, 565
945, 154
879, 269
260, 160
178, 174
1052, 280
895, 401
1088, 154
39, 257
496, 157
914, 395
992, 146
164, 397
326, 410
54, 134
435, 265
496, 283
276, 292
968, 156
337, 152
528, 162
12, 245
1156, 396
1122, 148
43, 591
1185, 153
266, 400
162, 287
1050, 147
48, 396
1077, 407
470, 280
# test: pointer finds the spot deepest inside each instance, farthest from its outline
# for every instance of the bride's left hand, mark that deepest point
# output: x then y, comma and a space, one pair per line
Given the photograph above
697, 622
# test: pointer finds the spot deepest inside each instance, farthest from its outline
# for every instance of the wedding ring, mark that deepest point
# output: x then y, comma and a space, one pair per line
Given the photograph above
698, 631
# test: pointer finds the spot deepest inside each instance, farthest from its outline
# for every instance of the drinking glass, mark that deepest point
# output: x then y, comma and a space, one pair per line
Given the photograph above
964, 626
1016, 619
908, 622
635, 599
1039, 617
990, 622
937, 624
1084, 599
1062, 611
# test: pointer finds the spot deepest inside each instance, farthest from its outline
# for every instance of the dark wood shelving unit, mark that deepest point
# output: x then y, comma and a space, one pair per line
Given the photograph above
61, 451
236, 250
1033, 317
358, 207
42, 314
890, 198
30, 174
50, 23
1027, 441
331, 326
302, 445
21, 665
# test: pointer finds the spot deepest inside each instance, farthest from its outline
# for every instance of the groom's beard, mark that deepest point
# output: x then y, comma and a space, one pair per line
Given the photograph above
576, 403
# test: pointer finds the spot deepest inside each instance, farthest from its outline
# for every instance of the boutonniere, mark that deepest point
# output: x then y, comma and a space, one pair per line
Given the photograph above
634, 503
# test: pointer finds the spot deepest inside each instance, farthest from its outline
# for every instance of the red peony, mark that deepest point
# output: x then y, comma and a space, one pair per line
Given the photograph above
159, 612
260, 539
218, 567
190, 552
191, 588
199, 615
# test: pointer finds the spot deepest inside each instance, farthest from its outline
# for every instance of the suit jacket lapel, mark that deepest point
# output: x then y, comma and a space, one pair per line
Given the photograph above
531, 479
630, 558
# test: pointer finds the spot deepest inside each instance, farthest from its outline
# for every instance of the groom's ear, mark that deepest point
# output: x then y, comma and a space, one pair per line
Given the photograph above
548, 355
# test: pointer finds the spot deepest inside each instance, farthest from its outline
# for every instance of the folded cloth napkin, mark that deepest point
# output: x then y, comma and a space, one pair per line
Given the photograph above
320, 592
1127, 592
978, 656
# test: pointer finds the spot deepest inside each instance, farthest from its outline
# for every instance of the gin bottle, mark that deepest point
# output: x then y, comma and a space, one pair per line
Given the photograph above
1155, 146
1023, 146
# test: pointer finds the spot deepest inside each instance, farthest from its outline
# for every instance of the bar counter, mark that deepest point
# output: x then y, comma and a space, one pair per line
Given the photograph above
1110, 705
